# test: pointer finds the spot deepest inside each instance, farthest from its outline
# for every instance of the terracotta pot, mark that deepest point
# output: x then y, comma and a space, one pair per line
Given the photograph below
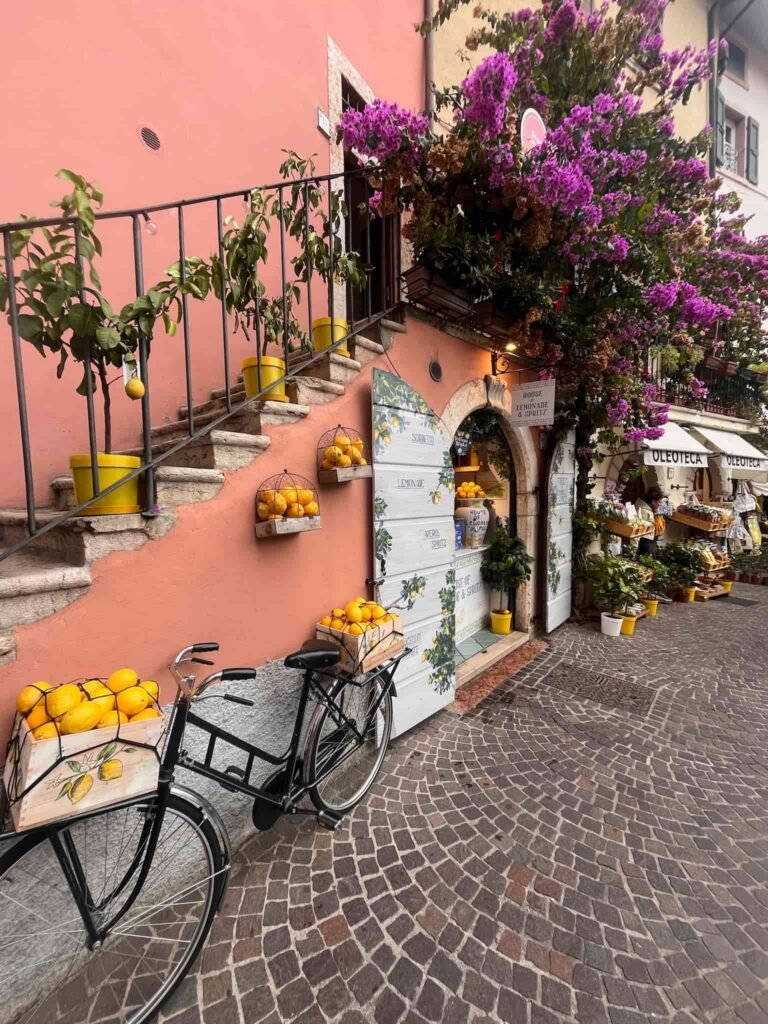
713, 363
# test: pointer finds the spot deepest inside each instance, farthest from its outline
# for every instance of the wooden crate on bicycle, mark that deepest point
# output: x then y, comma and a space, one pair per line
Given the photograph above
362, 653
49, 779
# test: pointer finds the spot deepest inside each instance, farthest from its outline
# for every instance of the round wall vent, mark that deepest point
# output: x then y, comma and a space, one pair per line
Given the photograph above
435, 370
149, 137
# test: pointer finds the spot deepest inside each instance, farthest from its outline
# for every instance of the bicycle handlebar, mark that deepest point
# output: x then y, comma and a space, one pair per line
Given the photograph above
236, 675
203, 648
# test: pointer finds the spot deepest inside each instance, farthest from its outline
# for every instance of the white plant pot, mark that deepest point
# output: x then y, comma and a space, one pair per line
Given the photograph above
610, 624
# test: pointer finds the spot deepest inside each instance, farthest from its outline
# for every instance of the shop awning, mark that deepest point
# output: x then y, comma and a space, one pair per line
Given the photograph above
675, 447
741, 460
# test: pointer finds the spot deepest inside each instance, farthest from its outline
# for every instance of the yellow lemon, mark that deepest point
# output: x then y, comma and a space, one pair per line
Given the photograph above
295, 510
341, 440
338, 613
37, 716
354, 629
111, 769
365, 611
276, 503
311, 508
112, 718
354, 612
100, 694
326, 465
62, 699
262, 510
82, 718
46, 732
306, 495
379, 622
151, 687
337, 624
30, 695
377, 612
135, 388
146, 713
332, 455
344, 462
132, 700
359, 444
290, 495
326, 620
81, 788
353, 454
122, 679
362, 461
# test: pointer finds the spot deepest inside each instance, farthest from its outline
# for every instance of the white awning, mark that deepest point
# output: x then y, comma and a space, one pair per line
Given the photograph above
740, 459
675, 447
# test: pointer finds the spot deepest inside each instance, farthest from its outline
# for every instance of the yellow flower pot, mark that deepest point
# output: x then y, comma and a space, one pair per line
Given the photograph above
501, 623
651, 606
272, 369
689, 594
123, 500
628, 623
727, 585
323, 336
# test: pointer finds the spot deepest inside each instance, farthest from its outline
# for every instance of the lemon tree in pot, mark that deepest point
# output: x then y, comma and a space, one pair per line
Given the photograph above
616, 587
63, 312
506, 565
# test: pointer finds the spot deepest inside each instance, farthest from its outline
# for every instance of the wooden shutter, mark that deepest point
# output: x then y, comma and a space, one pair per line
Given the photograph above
753, 156
720, 129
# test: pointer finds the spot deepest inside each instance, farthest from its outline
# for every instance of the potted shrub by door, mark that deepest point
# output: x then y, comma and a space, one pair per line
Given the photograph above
684, 563
616, 586
658, 584
505, 566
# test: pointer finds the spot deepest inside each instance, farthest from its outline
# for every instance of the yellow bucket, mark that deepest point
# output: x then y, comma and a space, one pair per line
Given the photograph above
123, 500
628, 624
689, 594
272, 369
651, 606
501, 623
727, 585
322, 336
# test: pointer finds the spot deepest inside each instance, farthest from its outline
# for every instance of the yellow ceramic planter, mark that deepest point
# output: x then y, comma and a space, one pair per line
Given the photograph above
628, 624
272, 369
112, 468
727, 585
501, 623
689, 594
651, 607
323, 336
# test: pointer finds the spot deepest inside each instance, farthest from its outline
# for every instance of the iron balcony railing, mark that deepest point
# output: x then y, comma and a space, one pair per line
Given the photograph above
375, 240
735, 395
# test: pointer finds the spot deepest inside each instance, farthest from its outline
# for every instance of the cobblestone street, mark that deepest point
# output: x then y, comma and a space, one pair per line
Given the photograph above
589, 843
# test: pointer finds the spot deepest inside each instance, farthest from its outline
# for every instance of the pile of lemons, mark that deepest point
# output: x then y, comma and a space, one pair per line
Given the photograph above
287, 503
469, 490
357, 617
51, 711
343, 453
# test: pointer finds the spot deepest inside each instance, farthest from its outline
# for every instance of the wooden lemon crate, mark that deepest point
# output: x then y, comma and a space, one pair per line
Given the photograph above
628, 530
697, 524
279, 527
88, 770
360, 654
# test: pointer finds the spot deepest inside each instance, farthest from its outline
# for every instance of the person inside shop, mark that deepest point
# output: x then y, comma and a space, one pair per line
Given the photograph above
647, 509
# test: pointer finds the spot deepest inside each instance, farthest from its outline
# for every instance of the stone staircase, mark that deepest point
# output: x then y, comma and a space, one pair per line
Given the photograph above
55, 569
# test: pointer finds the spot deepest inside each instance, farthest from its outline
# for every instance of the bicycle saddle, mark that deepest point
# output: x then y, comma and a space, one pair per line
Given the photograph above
314, 654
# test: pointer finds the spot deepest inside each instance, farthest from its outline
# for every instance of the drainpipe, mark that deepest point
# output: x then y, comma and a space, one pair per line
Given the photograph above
713, 30
429, 61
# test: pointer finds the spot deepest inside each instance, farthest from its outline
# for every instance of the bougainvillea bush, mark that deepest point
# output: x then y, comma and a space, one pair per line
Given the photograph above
606, 246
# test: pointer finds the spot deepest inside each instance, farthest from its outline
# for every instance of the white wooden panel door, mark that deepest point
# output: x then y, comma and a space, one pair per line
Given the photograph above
414, 542
562, 485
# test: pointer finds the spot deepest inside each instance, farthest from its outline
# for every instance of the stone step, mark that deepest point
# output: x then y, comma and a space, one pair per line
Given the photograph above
175, 485
364, 350
222, 450
336, 368
33, 588
82, 539
260, 414
313, 390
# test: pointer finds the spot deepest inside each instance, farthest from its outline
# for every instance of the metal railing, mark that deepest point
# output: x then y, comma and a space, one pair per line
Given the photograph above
735, 395
377, 298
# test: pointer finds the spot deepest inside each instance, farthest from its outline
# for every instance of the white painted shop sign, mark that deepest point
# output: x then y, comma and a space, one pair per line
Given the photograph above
534, 404
472, 595
665, 457
746, 462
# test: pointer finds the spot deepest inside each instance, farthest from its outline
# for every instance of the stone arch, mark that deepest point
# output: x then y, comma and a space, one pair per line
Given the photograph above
491, 393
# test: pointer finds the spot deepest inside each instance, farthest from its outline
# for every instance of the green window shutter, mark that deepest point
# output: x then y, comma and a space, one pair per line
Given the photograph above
753, 150
720, 129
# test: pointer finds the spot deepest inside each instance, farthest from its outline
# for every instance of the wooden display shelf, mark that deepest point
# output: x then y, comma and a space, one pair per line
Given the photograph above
279, 527
702, 595
343, 474
468, 469
697, 524
629, 531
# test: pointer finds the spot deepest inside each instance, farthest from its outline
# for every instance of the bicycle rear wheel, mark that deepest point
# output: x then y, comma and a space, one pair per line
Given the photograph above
49, 973
344, 755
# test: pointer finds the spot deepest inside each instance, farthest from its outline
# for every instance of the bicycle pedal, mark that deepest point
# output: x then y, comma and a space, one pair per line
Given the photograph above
236, 773
328, 820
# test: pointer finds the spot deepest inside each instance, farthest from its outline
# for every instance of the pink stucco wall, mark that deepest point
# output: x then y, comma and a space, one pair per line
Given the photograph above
226, 87
210, 579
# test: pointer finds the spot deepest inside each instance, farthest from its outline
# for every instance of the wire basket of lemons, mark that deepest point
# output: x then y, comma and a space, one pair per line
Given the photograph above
366, 633
81, 745
341, 455
286, 503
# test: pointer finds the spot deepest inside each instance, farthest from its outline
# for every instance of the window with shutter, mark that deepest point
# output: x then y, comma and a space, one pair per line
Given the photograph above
753, 138
720, 129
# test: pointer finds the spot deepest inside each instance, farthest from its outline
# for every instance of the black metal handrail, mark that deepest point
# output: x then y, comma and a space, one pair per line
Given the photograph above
384, 261
735, 395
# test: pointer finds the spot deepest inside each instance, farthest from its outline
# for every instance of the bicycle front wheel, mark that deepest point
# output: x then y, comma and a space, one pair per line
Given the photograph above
346, 743
50, 971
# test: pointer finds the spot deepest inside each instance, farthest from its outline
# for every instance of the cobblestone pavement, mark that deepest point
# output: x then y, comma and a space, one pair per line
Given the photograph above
589, 843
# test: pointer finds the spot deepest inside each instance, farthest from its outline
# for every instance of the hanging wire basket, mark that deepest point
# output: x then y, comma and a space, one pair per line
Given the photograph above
76, 749
341, 456
286, 503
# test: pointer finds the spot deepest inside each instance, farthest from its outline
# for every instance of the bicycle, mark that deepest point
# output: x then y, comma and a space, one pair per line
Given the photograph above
93, 925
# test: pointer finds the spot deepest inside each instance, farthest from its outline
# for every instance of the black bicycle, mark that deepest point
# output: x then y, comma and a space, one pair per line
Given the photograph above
102, 915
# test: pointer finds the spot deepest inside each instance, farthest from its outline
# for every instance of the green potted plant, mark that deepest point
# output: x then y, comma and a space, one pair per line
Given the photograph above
684, 563
506, 565
759, 371
616, 586
63, 311
659, 583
